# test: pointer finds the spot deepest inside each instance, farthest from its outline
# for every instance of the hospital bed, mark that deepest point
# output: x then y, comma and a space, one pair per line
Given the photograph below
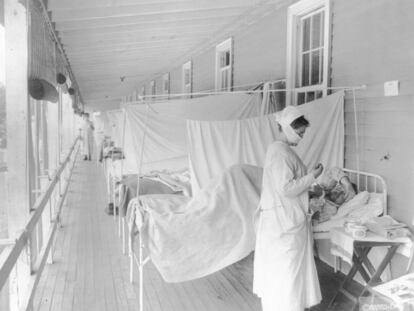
155, 182
376, 187
189, 238
372, 183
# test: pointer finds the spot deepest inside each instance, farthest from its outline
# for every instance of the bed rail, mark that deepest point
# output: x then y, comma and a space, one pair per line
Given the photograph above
369, 182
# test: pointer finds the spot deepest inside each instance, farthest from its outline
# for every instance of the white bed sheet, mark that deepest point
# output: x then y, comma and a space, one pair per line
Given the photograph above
190, 238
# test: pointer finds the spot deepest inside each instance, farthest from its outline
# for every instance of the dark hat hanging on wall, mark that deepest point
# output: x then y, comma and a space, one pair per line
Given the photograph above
60, 78
71, 91
40, 89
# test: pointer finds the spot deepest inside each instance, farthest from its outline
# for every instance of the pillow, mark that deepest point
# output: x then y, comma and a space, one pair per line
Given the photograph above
375, 197
357, 201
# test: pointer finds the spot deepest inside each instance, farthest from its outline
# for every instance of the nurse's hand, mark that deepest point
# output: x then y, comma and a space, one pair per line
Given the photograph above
317, 170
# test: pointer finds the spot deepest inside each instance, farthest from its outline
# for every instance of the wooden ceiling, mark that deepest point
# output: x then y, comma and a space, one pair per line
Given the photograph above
114, 46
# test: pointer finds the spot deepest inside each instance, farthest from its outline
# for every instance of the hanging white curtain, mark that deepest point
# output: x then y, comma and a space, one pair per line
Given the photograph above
215, 146
165, 144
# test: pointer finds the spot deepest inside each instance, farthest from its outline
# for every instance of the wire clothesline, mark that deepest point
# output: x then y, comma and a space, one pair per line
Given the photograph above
169, 96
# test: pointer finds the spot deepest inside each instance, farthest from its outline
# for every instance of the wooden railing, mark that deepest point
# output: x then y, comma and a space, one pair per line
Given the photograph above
38, 235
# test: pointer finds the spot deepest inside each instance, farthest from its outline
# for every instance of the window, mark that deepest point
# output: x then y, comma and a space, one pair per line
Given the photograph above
152, 87
166, 84
308, 50
187, 78
142, 93
224, 60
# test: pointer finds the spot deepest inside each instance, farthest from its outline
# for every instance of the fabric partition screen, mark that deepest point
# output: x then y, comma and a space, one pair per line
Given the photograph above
117, 119
116, 132
164, 125
215, 146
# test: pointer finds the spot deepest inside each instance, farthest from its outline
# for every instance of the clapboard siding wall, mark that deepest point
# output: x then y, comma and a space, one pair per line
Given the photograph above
204, 71
372, 43
176, 81
260, 50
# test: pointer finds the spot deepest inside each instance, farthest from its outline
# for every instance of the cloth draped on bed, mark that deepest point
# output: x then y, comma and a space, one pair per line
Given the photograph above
165, 145
189, 238
213, 146
154, 183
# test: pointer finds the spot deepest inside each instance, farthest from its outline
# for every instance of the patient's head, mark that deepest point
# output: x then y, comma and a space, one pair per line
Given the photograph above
336, 196
343, 192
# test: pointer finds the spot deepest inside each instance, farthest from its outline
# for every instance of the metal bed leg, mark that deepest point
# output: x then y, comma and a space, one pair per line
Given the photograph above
131, 267
119, 222
114, 196
141, 276
123, 235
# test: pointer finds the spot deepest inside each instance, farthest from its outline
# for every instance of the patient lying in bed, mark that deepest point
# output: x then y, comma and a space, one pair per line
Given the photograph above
334, 189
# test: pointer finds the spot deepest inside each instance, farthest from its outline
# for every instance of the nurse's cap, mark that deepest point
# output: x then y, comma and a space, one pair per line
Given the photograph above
288, 115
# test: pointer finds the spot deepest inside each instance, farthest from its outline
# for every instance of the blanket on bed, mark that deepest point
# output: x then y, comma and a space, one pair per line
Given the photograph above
191, 238
156, 182
127, 189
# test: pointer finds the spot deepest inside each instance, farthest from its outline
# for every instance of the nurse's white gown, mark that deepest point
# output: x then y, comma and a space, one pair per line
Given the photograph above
285, 275
87, 138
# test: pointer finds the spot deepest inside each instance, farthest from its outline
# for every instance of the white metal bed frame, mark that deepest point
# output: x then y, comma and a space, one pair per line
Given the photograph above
364, 182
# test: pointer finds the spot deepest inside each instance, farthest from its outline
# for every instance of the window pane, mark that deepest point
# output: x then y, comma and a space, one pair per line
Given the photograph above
305, 69
316, 30
315, 68
224, 79
306, 34
321, 67
222, 60
187, 76
322, 27
310, 96
301, 98
318, 94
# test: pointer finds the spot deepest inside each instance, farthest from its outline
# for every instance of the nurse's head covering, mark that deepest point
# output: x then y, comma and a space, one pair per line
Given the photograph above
285, 118
288, 115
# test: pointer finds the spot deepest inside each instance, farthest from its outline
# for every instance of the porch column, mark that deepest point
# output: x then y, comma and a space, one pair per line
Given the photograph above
18, 121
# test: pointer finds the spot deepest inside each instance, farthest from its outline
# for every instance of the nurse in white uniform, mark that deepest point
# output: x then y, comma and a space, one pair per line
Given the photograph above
87, 137
285, 275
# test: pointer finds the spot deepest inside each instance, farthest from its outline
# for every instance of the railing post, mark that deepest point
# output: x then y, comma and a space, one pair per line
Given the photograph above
18, 126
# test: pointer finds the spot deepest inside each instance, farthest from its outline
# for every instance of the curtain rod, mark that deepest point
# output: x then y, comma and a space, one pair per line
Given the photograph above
167, 97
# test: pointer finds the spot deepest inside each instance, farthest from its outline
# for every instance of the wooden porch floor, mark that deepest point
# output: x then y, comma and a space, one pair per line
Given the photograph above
91, 273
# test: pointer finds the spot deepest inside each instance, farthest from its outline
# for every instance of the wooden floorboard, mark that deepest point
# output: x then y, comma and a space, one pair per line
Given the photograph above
91, 273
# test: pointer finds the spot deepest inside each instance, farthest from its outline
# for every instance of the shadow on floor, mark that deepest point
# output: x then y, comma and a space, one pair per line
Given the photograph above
330, 282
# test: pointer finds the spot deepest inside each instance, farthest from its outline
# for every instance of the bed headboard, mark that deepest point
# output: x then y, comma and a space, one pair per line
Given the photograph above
369, 182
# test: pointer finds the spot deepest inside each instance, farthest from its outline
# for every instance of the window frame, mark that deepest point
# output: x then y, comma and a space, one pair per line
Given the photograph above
142, 92
166, 79
153, 88
296, 12
187, 87
223, 47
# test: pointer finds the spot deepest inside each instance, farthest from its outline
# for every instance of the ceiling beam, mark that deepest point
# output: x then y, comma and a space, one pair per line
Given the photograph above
143, 63
158, 19
153, 26
139, 35
127, 50
55, 5
147, 9
134, 43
